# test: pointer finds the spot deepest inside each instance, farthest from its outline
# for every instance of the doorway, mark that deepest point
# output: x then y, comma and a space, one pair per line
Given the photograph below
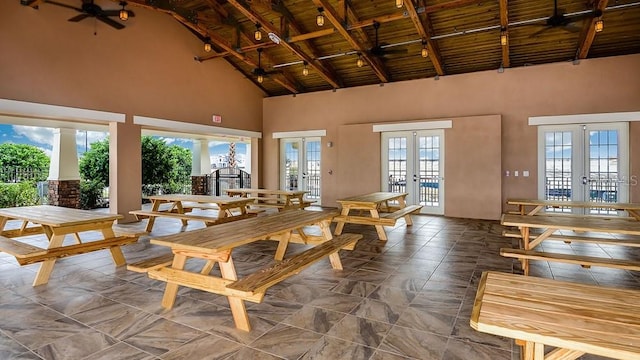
413, 162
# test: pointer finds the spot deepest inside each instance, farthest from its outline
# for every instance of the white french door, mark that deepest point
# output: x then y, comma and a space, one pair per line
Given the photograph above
413, 162
584, 163
300, 166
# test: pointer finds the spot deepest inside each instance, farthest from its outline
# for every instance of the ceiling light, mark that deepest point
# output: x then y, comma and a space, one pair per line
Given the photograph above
258, 34
320, 17
360, 62
399, 3
424, 52
260, 79
599, 25
207, 44
124, 14
305, 70
503, 38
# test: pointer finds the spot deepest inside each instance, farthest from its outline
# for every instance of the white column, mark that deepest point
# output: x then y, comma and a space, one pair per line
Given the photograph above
201, 161
64, 159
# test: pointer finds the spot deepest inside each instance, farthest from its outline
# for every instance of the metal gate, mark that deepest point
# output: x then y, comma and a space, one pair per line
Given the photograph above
228, 178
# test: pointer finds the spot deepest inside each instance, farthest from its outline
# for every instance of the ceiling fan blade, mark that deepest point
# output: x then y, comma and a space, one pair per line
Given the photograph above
572, 28
395, 51
110, 13
535, 34
114, 24
63, 5
79, 17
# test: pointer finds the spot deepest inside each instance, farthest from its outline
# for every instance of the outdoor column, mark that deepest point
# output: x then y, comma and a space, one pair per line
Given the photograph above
125, 169
200, 167
64, 176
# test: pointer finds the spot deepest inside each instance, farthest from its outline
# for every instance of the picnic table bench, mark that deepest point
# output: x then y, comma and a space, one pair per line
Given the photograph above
215, 245
56, 223
392, 203
229, 209
575, 319
548, 225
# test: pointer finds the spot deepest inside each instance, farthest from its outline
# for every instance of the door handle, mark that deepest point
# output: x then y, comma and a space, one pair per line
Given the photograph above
415, 177
585, 180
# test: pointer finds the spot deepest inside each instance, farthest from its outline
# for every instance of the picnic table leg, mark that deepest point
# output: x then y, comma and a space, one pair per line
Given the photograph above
282, 245
238, 310
44, 272
178, 206
334, 258
340, 224
116, 251
407, 218
382, 235
152, 219
524, 231
171, 290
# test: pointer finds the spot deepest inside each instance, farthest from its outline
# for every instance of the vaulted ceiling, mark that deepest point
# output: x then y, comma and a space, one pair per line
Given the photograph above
458, 36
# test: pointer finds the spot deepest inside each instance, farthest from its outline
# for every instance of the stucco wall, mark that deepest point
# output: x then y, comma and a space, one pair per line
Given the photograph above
593, 86
145, 69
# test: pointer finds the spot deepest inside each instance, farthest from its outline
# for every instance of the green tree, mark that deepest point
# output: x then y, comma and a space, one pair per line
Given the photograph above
181, 164
94, 164
24, 157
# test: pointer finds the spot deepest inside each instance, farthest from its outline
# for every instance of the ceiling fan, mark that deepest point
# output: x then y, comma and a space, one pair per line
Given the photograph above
560, 19
90, 9
380, 50
260, 72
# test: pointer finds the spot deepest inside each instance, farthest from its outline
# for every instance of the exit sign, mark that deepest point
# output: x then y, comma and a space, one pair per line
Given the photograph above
217, 118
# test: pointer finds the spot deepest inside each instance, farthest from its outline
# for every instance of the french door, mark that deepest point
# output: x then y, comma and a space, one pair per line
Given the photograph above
300, 166
584, 163
413, 162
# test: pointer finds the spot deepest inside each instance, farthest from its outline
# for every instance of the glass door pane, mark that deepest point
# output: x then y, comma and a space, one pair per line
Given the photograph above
311, 173
430, 193
290, 164
396, 156
558, 174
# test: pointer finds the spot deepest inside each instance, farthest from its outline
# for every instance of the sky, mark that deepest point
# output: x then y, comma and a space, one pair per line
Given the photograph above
42, 138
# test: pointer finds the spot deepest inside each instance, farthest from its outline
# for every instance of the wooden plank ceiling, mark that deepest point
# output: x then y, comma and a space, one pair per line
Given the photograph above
460, 36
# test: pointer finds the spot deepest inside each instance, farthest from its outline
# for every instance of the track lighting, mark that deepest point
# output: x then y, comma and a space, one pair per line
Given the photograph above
305, 70
207, 44
258, 34
320, 17
399, 3
360, 62
124, 14
599, 25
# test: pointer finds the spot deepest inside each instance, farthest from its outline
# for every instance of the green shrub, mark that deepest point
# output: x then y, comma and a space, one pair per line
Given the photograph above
90, 193
20, 194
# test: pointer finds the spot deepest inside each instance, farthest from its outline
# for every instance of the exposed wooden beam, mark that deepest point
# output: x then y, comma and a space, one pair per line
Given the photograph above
449, 5
311, 35
334, 19
504, 24
434, 51
589, 32
315, 64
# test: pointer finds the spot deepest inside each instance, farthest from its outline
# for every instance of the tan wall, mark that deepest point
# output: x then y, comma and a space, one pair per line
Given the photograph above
144, 69
593, 86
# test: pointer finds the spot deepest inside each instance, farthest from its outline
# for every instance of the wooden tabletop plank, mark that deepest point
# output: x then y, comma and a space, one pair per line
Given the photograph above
619, 226
221, 200
266, 192
580, 204
561, 314
56, 216
229, 235
376, 198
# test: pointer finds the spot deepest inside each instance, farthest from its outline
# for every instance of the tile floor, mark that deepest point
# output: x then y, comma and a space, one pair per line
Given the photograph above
408, 298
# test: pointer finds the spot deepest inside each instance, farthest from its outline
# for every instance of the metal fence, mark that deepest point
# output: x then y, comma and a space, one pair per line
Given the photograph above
228, 178
17, 174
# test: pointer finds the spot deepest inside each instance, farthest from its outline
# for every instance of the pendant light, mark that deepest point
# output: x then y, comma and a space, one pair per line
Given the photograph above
320, 17
305, 69
399, 3
360, 61
599, 26
258, 34
207, 44
260, 79
503, 37
424, 52
124, 14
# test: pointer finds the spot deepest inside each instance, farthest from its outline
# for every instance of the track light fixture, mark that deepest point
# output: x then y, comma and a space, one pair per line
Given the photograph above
599, 25
399, 3
320, 17
207, 44
258, 34
124, 14
305, 69
360, 61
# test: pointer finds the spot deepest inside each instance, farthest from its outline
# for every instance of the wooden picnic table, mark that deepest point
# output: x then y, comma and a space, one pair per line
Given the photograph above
539, 205
215, 244
57, 222
392, 203
548, 225
182, 204
573, 318
279, 199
